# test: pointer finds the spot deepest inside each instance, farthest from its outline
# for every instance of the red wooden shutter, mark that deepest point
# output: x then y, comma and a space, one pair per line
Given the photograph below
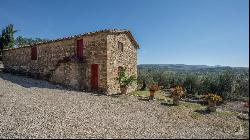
33, 53
79, 42
79, 49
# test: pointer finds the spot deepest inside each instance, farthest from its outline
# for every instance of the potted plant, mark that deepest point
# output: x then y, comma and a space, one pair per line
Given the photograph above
124, 80
176, 94
212, 100
152, 89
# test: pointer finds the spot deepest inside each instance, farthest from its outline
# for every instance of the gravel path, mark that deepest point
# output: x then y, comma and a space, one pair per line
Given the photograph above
32, 108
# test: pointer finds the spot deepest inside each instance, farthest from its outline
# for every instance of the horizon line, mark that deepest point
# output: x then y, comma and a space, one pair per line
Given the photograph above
194, 65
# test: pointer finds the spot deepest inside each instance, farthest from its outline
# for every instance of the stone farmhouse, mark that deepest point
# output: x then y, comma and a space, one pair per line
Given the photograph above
89, 61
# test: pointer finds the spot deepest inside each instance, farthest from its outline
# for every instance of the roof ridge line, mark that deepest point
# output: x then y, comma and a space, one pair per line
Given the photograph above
77, 35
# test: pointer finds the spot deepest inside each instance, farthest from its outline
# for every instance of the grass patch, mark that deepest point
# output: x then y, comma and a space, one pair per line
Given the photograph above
158, 95
223, 113
191, 105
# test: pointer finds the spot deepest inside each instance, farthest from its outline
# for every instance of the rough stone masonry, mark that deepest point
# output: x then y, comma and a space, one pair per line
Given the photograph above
88, 61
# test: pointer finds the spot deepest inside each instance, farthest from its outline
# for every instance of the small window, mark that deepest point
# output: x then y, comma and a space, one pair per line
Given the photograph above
33, 53
120, 46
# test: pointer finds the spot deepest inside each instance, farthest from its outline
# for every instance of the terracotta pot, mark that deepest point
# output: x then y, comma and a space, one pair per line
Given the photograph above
152, 94
211, 106
123, 89
211, 103
176, 100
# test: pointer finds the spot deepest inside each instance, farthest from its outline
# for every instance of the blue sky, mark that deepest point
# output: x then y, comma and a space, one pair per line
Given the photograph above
210, 32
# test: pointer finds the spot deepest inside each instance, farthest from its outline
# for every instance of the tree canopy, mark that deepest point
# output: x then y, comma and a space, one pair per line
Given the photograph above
22, 41
7, 37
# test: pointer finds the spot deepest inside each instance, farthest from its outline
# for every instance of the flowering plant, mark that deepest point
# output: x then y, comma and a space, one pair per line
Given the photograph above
153, 87
124, 80
213, 97
177, 92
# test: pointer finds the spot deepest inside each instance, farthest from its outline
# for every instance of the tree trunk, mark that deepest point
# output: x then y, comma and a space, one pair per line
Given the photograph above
152, 94
143, 85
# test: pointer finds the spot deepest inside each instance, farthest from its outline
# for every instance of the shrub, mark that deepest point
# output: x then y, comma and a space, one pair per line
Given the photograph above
125, 80
213, 97
178, 92
191, 84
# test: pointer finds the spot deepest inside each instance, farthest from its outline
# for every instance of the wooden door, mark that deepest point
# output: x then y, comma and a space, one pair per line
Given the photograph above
94, 76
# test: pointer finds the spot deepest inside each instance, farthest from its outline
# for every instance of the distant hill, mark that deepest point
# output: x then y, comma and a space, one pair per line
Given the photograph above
191, 68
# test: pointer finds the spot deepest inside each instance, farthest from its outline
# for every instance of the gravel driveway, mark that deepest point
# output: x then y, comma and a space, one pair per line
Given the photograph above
32, 108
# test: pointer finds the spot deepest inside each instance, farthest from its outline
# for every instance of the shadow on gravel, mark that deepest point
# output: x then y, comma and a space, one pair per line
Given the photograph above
244, 118
167, 104
116, 95
30, 82
97, 94
203, 112
144, 99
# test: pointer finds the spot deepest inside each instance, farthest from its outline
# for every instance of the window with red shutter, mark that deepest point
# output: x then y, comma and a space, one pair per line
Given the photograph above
79, 42
79, 48
34, 53
79, 51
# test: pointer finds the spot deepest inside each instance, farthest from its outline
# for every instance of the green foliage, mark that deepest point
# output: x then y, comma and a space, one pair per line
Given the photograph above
191, 84
166, 79
229, 83
7, 37
158, 95
125, 80
242, 84
222, 83
22, 41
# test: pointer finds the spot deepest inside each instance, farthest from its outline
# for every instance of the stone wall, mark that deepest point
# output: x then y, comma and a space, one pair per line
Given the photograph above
115, 58
99, 48
70, 73
48, 55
